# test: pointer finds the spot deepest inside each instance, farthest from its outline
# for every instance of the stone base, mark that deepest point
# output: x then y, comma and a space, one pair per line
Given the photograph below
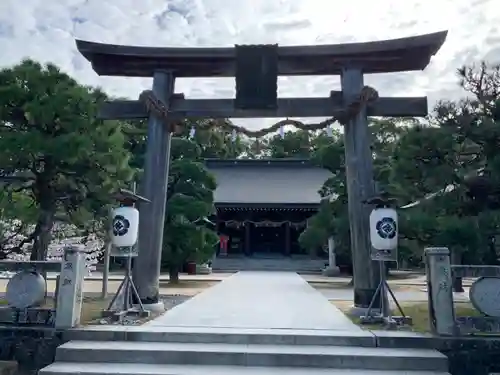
364, 297
155, 308
8, 368
331, 271
357, 312
203, 269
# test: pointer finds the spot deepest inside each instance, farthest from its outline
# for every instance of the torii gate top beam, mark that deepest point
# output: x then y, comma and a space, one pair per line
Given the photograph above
394, 55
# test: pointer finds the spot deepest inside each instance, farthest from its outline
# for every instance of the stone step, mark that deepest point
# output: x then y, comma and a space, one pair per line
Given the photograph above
300, 272
65, 368
253, 355
267, 264
226, 335
266, 267
271, 262
312, 270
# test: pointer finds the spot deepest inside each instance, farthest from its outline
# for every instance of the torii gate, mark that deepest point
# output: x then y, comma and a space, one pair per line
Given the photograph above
256, 69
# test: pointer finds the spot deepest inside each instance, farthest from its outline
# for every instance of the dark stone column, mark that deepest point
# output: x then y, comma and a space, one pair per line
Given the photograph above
217, 228
456, 259
247, 245
287, 239
154, 185
360, 186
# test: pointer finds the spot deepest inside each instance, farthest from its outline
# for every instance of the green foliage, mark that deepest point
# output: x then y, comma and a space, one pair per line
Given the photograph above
438, 157
48, 133
190, 200
213, 142
190, 197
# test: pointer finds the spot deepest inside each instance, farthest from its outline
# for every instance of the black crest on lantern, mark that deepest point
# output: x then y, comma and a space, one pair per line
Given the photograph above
387, 228
120, 225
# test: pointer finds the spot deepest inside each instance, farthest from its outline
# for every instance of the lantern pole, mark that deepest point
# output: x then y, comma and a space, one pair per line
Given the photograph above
127, 288
383, 235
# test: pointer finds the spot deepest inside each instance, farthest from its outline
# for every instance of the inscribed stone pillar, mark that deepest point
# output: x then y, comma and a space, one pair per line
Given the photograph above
360, 186
439, 288
331, 252
154, 186
332, 269
70, 288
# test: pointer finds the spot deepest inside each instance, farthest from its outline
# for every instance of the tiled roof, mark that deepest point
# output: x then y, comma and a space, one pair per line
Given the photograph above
267, 182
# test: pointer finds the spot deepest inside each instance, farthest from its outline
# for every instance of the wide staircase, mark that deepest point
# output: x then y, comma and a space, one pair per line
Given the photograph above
253, 323
263, 263
228, 351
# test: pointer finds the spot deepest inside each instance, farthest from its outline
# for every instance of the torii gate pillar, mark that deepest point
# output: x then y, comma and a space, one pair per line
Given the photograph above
360, 187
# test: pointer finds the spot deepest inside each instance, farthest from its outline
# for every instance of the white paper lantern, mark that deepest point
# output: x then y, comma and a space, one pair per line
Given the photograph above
384, 228
125, 226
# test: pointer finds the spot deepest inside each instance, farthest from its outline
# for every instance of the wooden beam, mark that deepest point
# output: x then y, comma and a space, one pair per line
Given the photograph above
287, 107
383, 56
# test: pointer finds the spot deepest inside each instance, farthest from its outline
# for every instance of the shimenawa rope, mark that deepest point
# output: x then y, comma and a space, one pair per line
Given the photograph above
367, 96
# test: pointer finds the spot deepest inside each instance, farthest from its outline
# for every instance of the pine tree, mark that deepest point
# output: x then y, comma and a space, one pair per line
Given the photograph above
49, 133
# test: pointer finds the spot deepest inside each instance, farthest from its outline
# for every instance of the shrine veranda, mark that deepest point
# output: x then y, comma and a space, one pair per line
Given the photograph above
256, 69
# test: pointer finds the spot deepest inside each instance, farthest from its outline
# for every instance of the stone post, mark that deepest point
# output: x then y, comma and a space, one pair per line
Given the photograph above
332, 269
288, 243
70, 288
154, 184
439, 289
247, 245
456, 259
360, 187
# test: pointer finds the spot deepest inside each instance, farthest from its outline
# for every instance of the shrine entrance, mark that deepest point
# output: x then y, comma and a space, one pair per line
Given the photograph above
256, 69
263, 233
262, 206
268, 239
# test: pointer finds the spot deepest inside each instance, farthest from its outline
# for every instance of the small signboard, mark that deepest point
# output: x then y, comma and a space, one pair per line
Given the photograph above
387, 255
125, 251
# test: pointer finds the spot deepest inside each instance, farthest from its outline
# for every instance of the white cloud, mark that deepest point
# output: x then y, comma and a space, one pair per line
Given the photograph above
45, 30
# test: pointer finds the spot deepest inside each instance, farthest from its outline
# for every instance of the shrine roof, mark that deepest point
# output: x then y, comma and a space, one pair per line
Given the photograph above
393, 55
267, 182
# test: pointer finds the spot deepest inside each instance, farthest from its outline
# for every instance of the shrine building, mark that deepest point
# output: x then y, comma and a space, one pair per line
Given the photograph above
262, 207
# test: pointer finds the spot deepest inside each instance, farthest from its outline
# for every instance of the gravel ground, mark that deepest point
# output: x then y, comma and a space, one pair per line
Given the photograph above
174, 300
169, 301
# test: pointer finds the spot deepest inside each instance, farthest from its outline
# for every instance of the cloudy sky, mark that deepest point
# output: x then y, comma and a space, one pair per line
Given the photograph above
45, 30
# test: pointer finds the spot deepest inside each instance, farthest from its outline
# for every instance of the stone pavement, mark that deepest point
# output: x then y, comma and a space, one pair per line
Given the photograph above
275, 300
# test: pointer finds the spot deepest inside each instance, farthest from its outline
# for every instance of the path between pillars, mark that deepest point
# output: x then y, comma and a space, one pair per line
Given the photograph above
267, 300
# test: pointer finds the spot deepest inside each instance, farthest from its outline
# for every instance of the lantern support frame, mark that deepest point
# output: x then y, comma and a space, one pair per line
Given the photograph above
385, 317
127, 198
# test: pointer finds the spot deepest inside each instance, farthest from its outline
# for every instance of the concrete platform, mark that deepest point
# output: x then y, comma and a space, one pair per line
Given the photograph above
150, 369
248, 299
